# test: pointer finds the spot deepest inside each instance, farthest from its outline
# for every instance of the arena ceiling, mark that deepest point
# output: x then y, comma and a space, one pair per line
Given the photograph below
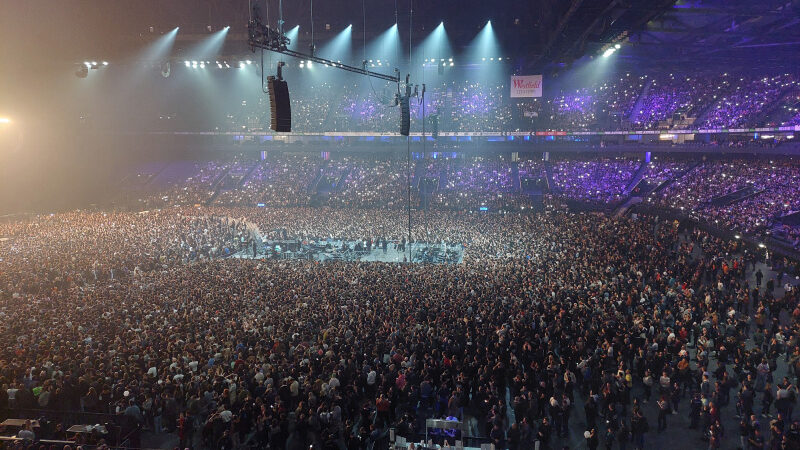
537, 34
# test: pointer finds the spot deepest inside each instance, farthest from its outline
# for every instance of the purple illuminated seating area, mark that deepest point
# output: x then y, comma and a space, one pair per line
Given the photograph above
596, 181
715, 100
288, 182
381, 184
774, 193
475, 182
530, 168
658, 172
707, 181
748, 98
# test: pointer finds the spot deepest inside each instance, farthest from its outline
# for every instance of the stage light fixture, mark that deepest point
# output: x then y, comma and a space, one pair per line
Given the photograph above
609, 52
5, 120
249, 62
87, 64
451, 64
617, 46
202, 65
105, 63
187, 63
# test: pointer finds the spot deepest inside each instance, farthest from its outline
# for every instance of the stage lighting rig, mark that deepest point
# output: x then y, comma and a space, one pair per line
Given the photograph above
263, 37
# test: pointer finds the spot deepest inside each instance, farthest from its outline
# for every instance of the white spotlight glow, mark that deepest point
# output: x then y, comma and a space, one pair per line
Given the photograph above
105, 63
5, 120
617, 46
187, 63
609, 52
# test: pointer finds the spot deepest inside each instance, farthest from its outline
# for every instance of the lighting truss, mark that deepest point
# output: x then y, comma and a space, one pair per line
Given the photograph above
265, 38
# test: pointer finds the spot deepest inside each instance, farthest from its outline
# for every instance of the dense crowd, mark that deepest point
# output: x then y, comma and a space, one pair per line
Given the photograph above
629, 101
136, 315
768, 192
596, 181
744, 195
749, 98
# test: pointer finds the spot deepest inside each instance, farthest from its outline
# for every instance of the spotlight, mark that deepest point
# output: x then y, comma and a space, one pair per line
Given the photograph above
5, 120
450, 60
309, 64
87, 64
194, 63
208, 27
249, 62
187, 63
105, 63
227, 66
241, 65
491, 59
609, 52
451, 64
219, 65
483, 59
617, 46
202, 65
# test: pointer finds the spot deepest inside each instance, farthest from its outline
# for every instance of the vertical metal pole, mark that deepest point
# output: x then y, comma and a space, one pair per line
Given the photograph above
280, 17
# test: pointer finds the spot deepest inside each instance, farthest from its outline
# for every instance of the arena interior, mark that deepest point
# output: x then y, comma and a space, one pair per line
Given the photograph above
398, 224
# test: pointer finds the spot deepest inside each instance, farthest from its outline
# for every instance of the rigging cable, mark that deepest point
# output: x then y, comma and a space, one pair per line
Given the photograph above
312, 28
408, 138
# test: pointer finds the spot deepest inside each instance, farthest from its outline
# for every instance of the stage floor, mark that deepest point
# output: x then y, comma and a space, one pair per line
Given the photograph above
336, 250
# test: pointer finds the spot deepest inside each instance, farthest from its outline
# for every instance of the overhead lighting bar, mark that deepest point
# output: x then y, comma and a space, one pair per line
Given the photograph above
265, 38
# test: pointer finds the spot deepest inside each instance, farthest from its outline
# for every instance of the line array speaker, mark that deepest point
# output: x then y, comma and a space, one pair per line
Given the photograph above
279, 107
